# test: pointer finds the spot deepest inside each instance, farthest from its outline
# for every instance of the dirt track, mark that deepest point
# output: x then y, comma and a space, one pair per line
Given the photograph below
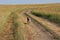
9, 30
7, 33
34, 31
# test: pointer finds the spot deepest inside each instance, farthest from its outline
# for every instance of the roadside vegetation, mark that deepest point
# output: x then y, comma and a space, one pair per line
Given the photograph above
51, 17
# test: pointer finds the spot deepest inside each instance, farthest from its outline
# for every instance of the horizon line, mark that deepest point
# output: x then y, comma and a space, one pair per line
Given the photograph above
29, 3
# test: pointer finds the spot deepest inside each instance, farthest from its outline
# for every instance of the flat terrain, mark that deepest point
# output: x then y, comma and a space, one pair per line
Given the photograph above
14, 26
34, 31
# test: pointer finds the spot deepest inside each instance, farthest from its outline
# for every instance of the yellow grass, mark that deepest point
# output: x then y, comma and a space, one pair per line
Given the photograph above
5, 10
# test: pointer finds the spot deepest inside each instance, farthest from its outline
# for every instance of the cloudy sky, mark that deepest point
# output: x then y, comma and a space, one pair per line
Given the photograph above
28, 1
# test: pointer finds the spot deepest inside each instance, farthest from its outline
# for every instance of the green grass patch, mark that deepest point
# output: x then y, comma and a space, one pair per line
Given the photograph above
51, 17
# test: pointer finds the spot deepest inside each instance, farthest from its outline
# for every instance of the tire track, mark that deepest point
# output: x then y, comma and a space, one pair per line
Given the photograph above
10, 29
32, 31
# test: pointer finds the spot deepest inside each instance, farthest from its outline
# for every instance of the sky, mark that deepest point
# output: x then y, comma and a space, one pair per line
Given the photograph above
28, 1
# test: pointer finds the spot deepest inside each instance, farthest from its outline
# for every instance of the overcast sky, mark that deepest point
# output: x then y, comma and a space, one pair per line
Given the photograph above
28, 1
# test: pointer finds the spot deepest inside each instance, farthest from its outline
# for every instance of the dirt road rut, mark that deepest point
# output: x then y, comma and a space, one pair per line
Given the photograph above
33, 31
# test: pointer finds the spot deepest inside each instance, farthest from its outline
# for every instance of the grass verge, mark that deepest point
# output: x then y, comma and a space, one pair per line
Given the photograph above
51, 17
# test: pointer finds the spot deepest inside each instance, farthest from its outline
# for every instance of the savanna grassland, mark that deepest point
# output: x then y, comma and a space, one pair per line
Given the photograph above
12, 20
50, 12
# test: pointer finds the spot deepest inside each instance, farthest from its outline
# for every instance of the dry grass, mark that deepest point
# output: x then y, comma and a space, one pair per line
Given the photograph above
50, 12
6, 10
